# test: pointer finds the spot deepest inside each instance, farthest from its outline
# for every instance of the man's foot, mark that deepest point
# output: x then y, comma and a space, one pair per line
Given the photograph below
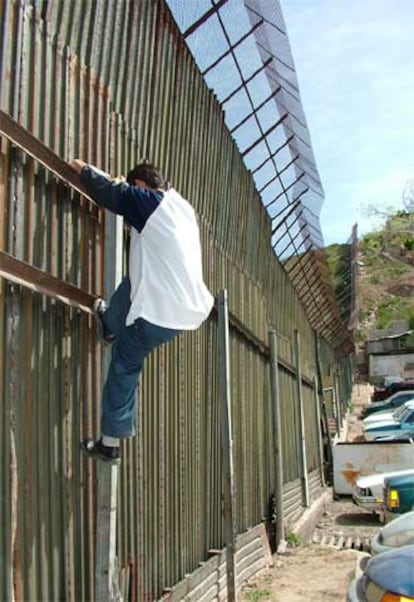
95, 449
104, 335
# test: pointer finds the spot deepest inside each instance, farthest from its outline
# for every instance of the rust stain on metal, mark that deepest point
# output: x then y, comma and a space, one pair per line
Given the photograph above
351, 476
17, 575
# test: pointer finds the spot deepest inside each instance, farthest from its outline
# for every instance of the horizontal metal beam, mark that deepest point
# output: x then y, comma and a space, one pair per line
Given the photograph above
41, 282
203, 19
292, 208
255, 110
278, 174
264, 134
231, 49
273, 155
284, 191
246, 81
36, 149
261, 346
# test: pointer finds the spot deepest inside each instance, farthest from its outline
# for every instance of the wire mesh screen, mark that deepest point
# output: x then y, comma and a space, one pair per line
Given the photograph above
243, 51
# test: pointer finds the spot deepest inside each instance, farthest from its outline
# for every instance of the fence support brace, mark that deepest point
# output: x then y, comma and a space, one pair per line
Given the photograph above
277, 428
229, 488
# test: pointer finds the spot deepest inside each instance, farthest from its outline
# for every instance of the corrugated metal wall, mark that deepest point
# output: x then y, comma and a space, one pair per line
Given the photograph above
111, 81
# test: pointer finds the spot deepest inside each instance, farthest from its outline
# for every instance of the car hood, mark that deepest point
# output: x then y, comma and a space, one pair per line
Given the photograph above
382, 424
405, 522
385, 403
402, 435
381, 416
376, 479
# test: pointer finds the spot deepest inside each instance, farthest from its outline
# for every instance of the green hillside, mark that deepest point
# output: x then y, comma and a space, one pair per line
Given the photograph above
385, 284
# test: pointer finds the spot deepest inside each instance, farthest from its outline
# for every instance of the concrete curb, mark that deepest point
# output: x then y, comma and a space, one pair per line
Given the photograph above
306, 524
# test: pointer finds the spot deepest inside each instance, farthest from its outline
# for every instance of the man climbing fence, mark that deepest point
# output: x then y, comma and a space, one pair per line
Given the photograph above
163, 294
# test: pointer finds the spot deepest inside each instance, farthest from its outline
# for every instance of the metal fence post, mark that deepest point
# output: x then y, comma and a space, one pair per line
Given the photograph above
277, 427
229, 487
302, 451
325, 419
319, 430
106, 586
106, 589
338, 405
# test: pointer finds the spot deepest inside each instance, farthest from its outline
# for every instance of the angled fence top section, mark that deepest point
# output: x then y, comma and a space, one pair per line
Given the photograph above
242, 50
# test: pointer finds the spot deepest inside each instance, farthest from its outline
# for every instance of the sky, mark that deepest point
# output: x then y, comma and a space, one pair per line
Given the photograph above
355, 65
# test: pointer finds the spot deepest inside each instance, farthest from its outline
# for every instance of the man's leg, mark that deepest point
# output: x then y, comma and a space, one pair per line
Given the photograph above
131, 347
109, 319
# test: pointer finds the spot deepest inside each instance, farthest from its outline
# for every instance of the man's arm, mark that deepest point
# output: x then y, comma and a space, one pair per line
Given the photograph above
135, 204
77, 165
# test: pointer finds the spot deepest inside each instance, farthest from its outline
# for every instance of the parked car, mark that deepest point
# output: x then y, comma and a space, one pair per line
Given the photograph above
400, 437
387, 577
369, 489
389, 414
384, 393
399, 532
398, 495
395, 401
390, 427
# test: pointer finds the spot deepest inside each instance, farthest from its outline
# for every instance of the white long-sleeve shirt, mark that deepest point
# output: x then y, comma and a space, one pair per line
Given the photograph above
165, 264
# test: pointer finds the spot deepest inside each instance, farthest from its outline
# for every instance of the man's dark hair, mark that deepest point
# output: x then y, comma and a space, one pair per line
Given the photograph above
148, 173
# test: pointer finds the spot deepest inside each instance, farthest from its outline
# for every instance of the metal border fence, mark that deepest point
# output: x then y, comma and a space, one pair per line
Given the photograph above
112, 82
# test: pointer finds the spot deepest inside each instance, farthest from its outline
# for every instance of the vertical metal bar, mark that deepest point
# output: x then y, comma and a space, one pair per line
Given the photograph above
108, 478
303, 460
337, 401
319, 429
229, 486
277, 428
69, 267
106, 515
323, 406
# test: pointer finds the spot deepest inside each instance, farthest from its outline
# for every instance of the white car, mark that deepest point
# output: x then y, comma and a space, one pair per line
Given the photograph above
387, 577
389, 414
368, 492
399, 532
384, 428
391, 403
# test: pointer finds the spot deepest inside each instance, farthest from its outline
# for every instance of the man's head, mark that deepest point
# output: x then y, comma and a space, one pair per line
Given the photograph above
146, 175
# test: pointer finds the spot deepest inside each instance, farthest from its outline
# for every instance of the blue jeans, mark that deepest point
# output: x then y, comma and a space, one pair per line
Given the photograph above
131, 346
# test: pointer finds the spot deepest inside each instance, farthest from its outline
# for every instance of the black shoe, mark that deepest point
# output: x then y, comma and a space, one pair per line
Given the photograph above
104, 335
96, 450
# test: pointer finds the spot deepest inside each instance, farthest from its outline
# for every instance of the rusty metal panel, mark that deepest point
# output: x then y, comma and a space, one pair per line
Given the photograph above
47, 382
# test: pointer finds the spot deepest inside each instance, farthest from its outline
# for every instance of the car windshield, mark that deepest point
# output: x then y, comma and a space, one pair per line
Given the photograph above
400, 412
403, 397
404, 414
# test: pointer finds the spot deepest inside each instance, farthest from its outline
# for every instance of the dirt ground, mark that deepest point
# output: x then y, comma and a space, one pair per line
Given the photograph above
309, 573
321, 571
